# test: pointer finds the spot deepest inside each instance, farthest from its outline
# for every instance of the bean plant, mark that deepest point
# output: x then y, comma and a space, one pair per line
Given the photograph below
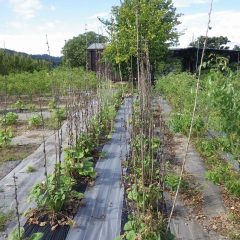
9, 119
35, 121
6, 136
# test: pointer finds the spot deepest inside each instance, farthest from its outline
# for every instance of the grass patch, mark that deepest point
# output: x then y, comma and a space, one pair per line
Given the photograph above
4, 218
31, 169
51, 124
16, 152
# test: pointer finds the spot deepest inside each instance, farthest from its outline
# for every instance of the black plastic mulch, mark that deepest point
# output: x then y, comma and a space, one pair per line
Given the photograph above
60, 233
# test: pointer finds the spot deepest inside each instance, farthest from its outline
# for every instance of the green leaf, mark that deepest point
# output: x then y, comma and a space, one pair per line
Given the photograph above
131, 235
133, 194
80, 155
128, 226
36, 236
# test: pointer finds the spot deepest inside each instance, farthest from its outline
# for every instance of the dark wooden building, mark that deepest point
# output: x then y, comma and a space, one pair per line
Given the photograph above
96, 62
191, 56
95, 52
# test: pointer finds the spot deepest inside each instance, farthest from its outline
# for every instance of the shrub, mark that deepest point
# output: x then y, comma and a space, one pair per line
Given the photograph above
19, 105
30, 169
9, 119
5, 137
35, 121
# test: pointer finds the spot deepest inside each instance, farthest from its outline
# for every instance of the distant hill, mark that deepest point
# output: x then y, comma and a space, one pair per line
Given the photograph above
54, 60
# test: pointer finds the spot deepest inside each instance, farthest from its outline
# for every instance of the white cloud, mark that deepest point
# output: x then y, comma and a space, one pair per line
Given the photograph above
31, 38
187, 3
35, 43
48, 26
26, 8
223, 23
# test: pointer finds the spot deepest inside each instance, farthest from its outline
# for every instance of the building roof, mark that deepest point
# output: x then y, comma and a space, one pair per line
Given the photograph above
97, 46
207, 49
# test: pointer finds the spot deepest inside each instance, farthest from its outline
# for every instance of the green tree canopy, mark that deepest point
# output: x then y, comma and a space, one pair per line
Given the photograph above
17, 63
212, 42
74, 51
157, 21
236, 48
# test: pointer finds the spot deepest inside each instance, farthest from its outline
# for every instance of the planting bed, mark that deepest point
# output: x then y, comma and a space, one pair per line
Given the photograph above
206, 217
26, 179
97, 171
100, 217
103, 204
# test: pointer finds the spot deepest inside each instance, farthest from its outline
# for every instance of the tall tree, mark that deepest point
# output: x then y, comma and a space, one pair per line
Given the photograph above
236, 48
74, 51
152, 22
212, 42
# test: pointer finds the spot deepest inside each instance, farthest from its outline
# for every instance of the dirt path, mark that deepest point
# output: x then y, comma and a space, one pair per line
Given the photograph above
184, 224
100, 219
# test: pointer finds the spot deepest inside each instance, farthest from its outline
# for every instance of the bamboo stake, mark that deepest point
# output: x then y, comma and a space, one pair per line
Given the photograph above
193, 117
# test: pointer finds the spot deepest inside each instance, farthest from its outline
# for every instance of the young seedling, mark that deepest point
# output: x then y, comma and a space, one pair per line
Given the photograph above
30, 169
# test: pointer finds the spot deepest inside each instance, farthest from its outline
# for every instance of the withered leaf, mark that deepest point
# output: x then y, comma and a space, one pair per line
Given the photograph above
54, 227
42, 224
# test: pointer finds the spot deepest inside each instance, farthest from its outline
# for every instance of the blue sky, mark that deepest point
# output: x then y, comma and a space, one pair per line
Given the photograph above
24, 23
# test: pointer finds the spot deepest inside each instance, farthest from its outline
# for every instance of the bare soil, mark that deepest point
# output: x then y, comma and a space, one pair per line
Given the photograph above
12, 155
43, 102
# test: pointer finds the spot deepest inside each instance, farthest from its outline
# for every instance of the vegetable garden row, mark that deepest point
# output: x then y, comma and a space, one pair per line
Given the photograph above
89, 106
83, 117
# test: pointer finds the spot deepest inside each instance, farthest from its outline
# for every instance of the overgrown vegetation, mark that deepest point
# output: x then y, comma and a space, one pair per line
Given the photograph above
140, 34
16, 152
216, 128
42, 83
